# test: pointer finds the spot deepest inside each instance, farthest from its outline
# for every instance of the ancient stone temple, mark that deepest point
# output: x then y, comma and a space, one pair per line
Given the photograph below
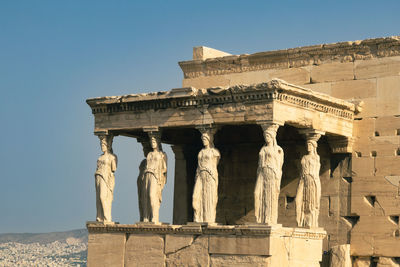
282, 158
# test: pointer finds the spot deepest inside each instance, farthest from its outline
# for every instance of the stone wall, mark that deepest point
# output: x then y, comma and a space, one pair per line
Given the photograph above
202, 245
365, 200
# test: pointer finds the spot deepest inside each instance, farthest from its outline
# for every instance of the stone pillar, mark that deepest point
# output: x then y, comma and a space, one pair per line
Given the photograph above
180, 213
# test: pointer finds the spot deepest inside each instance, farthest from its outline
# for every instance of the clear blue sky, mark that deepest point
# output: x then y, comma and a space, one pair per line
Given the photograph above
56, 54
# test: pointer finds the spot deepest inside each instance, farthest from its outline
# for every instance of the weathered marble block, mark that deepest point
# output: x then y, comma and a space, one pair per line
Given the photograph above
203, 245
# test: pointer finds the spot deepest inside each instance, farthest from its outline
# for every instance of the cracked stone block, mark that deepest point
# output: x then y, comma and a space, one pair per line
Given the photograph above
239, 261
194, 255
174, 243
144, 250
340, 256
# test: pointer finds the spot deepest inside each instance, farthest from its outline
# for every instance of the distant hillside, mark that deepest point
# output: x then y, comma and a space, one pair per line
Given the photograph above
45, 238
61, 249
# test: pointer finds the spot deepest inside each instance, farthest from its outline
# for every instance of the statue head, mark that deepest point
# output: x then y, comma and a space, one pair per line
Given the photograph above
312, 146
207, 136
270, 137
154, 140
269, 131
207, 140
106, 143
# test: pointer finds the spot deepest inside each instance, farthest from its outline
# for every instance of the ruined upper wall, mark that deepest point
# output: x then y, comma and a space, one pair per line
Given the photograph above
293, 57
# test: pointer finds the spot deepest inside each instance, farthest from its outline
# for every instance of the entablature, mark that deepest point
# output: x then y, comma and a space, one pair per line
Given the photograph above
275, 100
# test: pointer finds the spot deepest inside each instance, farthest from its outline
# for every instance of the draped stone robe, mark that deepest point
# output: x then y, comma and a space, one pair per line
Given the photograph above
266, 193
308, 192
104, 183
205, 193
154, 179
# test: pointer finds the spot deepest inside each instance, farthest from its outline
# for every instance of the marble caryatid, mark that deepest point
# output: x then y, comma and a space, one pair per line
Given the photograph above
140, 180
205, 193
105, 179
309, 188
154, 179
269, 174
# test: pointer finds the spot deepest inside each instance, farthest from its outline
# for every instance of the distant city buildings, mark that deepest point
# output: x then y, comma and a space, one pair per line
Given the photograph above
71, 252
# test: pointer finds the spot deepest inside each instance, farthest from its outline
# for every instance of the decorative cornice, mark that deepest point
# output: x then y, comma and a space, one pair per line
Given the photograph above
274, 90
294, 57
204, 229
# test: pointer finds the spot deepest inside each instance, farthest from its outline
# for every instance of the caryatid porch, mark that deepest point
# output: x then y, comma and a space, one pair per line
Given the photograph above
238, 115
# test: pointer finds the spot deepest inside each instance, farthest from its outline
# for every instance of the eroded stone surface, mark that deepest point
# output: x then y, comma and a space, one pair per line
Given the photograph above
239, 261
340, 256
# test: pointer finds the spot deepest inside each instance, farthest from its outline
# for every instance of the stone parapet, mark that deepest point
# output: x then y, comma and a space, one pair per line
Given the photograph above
203, 245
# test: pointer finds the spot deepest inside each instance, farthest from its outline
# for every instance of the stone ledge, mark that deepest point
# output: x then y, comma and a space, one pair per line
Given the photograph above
201, 229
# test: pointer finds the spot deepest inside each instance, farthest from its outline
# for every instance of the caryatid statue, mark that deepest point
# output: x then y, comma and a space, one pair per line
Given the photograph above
309, 189
153, 181
105, 179
205, 192
140, 180
269, 174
